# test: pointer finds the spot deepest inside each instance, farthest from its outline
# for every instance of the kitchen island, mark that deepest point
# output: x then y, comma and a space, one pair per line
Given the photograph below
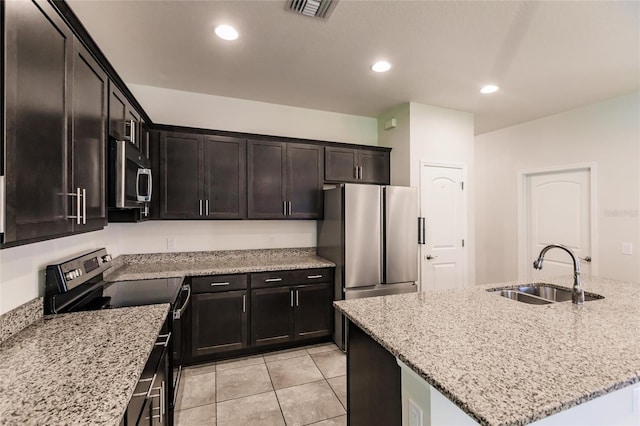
503, 362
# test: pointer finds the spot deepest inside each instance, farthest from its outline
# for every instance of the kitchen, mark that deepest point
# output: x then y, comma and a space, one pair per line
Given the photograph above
592, 129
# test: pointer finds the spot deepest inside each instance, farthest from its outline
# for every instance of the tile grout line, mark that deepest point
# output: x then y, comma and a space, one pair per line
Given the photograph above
329, 384
276, 394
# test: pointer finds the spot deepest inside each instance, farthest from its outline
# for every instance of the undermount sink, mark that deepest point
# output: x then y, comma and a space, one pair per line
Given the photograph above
540, 294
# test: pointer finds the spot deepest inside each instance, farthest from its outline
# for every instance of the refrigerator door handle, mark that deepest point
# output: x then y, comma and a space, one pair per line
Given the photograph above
422, 237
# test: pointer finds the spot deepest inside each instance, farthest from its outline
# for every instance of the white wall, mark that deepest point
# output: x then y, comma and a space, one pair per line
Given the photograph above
436, 135
398, 138
167, 106
606, 133
151, 237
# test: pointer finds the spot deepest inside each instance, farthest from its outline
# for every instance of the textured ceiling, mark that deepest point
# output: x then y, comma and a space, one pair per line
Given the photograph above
546, 57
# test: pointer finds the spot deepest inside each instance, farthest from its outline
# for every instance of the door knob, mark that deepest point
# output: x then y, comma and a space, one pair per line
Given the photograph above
429, 257
586, 259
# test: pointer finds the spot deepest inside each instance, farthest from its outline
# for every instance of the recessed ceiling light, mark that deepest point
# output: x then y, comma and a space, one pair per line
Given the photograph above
491, 88
226, 32
381, 66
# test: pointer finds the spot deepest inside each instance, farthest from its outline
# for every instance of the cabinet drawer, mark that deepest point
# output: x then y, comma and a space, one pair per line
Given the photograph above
293, 277
217, 283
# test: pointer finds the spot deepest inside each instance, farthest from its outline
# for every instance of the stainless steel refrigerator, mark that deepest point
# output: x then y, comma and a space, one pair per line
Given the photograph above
371, 233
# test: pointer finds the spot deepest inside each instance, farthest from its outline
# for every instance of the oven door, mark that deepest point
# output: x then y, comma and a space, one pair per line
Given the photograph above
178, 341
131, 182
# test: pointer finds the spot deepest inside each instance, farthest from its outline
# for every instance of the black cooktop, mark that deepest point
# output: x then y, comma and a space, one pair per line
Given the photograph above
142, 292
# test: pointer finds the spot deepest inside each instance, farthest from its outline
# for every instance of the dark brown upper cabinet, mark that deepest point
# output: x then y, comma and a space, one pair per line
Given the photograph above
55, 114
88, 124
284, 180
358, 165
202, 176
124, 120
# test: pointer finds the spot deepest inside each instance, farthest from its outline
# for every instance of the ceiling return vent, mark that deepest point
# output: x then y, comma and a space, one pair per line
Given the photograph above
312, 8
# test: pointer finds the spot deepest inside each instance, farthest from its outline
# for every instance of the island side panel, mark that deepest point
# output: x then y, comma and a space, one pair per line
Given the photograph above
373, 382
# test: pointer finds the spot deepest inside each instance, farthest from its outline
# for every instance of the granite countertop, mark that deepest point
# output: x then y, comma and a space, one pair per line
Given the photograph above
166, 265
77, 369
505, 362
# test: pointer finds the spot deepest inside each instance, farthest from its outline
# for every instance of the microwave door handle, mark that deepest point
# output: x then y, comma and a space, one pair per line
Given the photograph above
147, 197
149, 184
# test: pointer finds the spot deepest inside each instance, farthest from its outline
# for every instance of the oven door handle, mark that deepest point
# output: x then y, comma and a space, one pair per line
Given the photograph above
178, 313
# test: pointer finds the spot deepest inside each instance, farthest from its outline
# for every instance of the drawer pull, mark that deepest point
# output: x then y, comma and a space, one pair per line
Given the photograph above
219, 284
312, 277
272, 280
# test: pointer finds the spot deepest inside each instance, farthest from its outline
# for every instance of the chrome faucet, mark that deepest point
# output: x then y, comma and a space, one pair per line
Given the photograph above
577, 295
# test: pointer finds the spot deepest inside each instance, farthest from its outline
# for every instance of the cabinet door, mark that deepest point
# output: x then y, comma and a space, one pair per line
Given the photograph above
180, 176
219, 322
375, 167
88, 123
271, 316
304, 180
38, 60
117, 113
266, 177
225, 177
313, 311
340, 164
132, 126
144, 139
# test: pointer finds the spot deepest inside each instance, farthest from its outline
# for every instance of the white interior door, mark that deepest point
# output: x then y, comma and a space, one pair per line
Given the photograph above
442, 260
558, 212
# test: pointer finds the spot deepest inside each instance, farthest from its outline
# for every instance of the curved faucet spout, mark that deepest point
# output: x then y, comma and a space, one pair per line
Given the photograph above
577, 296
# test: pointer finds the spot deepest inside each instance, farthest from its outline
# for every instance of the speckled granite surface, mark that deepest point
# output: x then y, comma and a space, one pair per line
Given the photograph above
505, 362
164, 265
17, 319
77, 369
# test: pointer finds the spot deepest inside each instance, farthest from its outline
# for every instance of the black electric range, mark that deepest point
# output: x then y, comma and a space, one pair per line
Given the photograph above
78, 284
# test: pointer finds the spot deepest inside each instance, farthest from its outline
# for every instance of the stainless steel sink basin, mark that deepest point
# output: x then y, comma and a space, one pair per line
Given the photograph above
523, 297
540, 294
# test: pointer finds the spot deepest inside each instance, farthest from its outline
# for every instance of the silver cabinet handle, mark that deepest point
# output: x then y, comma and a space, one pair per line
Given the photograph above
272, 280
200, 207
359, 172
355, 172
167, 338
131, 126
284, 208
244, 303
206, 207
220, 284
78, 215
289, 203
150, 379
297, 298
313, 277
291, 293
84, 206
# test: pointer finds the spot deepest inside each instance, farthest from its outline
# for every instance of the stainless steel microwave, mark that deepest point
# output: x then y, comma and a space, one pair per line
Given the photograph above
130, 183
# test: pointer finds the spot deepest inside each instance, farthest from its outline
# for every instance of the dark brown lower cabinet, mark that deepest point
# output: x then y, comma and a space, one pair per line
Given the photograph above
271, 316
374, 394
313, 311
219, 322
285, 314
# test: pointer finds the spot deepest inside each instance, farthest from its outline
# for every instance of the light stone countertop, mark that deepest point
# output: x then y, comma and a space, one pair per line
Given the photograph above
505, 362
77, 369
181, 264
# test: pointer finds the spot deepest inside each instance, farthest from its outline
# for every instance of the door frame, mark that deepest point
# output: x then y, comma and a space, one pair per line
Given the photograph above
465, 216
523, 223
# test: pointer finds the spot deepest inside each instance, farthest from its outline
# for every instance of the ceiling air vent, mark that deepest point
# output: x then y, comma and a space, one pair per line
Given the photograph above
313, 8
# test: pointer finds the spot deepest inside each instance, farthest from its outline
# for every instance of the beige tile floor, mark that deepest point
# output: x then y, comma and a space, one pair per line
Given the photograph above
303, 386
